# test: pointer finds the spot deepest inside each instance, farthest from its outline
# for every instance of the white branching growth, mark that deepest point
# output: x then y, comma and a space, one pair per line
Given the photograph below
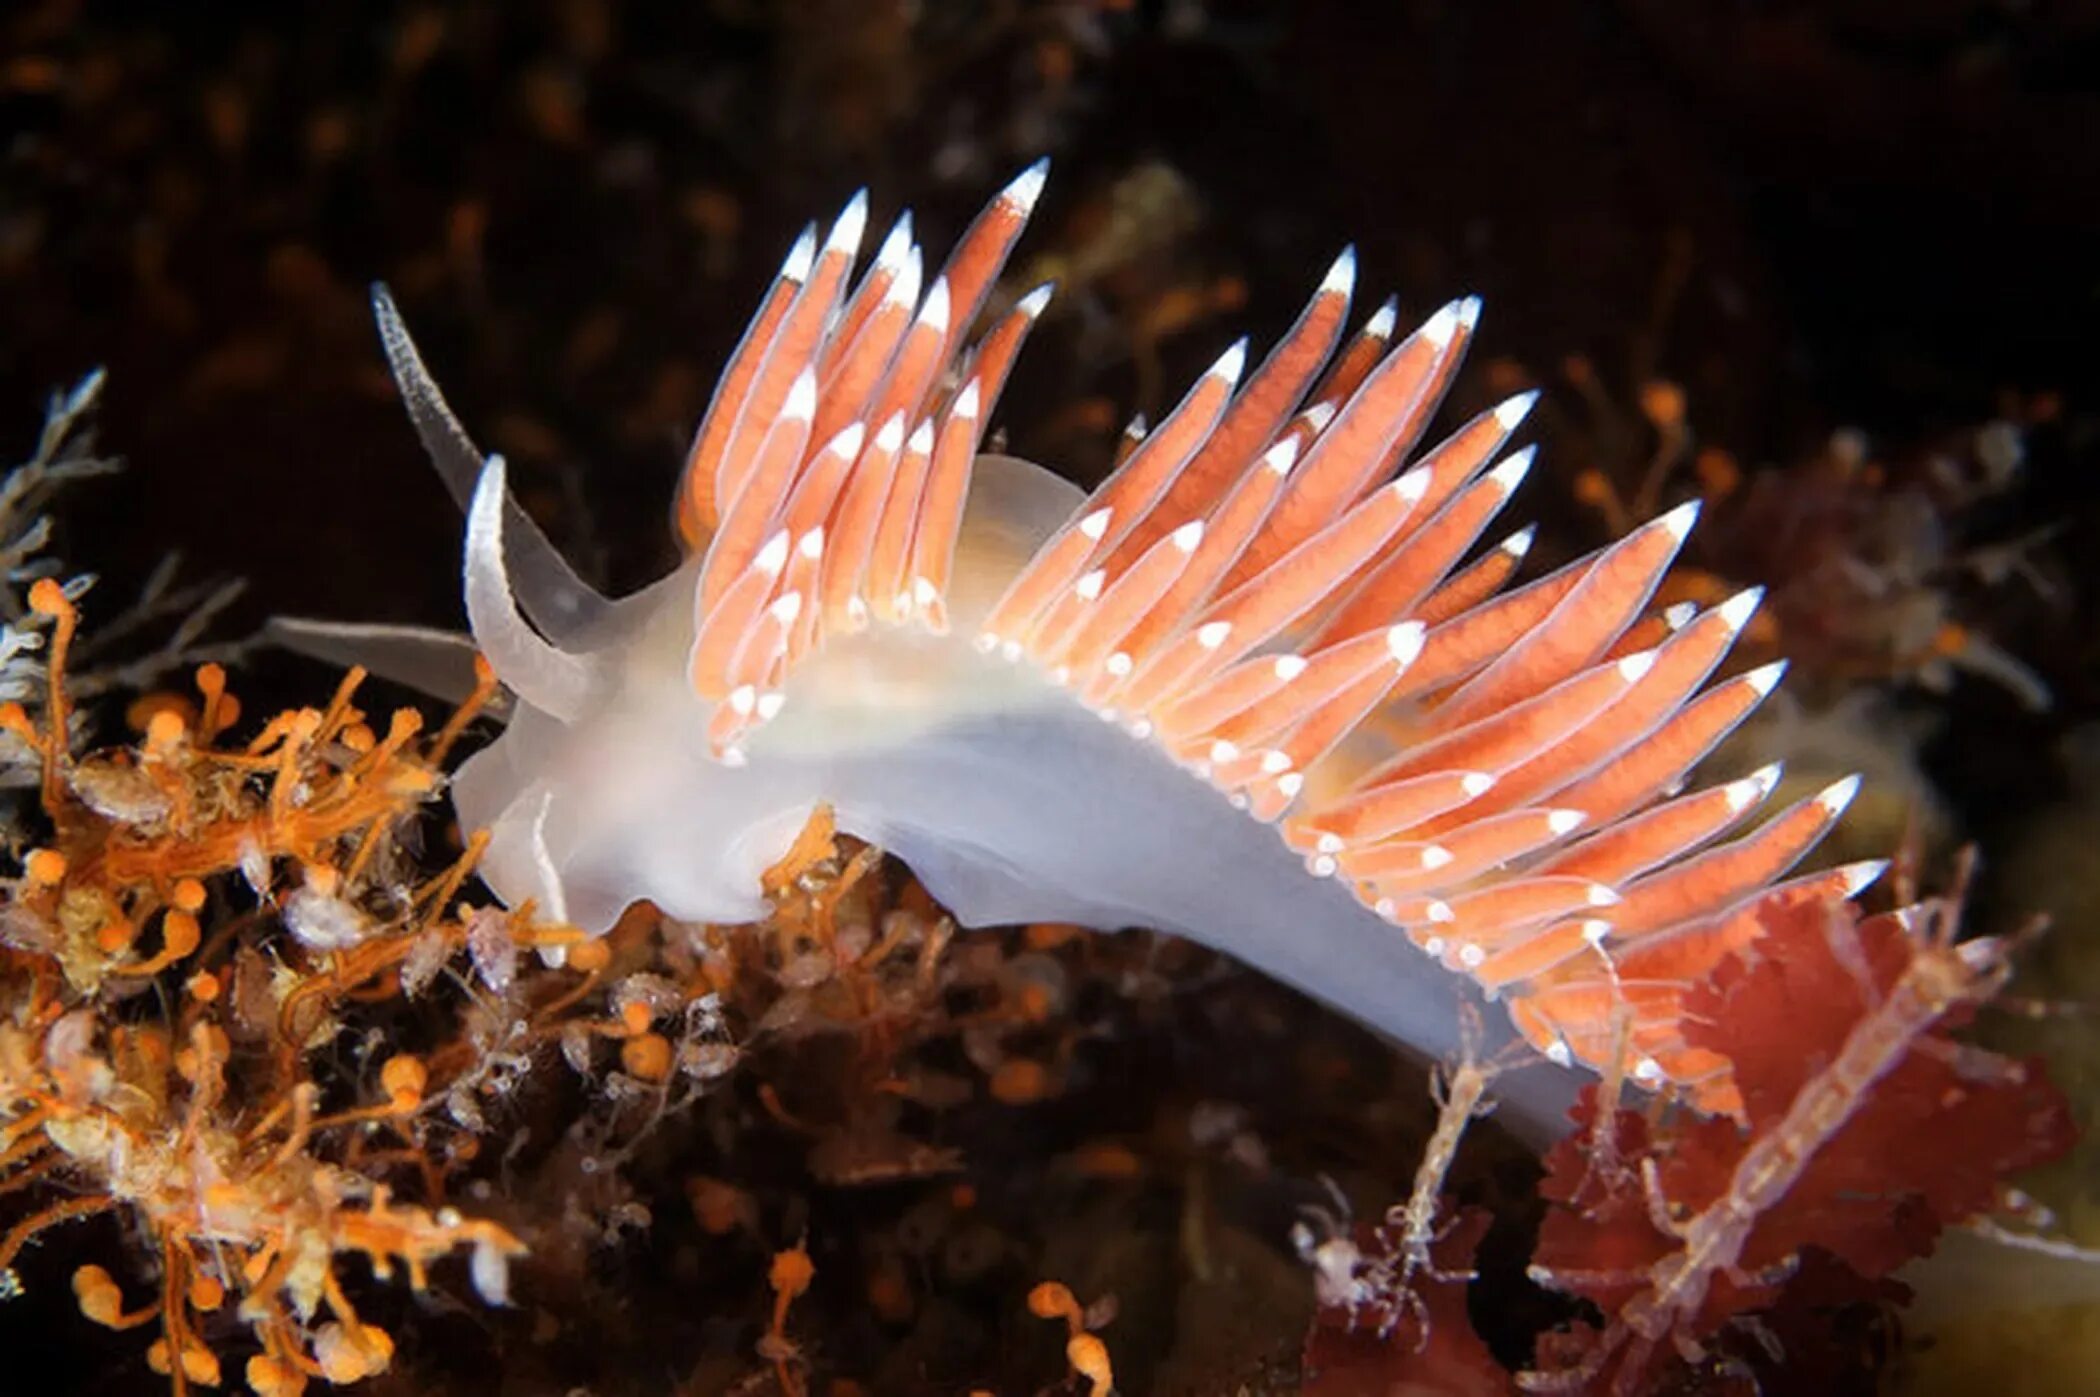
176, 617
1377, 1291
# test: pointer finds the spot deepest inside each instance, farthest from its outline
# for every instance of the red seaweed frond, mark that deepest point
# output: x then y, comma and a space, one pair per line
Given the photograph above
1854, 1097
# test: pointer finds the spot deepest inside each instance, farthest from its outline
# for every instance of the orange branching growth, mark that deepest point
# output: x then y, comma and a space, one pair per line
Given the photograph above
1885, 564
1877, 562
1084, 1350
789, 1276
201, 1122
207, 968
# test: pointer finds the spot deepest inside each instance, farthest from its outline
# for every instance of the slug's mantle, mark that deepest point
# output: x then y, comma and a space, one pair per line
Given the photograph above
1259, 688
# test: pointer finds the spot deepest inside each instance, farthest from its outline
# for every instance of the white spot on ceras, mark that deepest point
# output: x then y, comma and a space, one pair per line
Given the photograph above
1381, 322
1341, 277
1213, 634
1736, 612
1751, 789
1633, 667
801, 257
1095, 525
1440, 328
1279, 458
933, 315
1088, 588
1435, 856
1519, 543
1562, 822
1404, 642
852, 223
903, 290
1471, 955
773, 556
1118, 664
770, 704
1678, 522
846, 444
1025, 188
1035, 302
1598, 895
1288, 667
1275, 762
1410, 488
1510, 472
801, 402
890, 256
921, 443
1188, 536
891, 436
1476, 784
1558, 1054
1765, 678
1231, 364
966, 401
1835, 797
1511, 412
1858, 877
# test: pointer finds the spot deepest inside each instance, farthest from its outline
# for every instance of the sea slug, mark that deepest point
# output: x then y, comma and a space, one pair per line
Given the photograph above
1263, 687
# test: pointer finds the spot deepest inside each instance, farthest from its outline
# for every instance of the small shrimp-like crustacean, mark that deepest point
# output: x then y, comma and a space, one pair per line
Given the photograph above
1260, 688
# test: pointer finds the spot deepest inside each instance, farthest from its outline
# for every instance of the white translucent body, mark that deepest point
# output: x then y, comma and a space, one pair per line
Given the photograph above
1009, 801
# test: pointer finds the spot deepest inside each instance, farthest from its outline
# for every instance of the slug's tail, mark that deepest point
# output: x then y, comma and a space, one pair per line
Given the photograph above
1262, 591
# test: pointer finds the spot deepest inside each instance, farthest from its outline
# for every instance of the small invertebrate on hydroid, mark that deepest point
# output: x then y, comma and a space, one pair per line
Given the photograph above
1250, 689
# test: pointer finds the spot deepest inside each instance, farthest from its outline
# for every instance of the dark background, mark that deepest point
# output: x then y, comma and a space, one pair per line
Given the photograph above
1868, 214
1874, 214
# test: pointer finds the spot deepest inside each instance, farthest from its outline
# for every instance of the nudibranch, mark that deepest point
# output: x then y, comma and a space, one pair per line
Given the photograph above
1263, 687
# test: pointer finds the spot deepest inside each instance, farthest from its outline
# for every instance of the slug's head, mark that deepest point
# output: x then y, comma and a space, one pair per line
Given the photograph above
670, 745
593, 795
617, 779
